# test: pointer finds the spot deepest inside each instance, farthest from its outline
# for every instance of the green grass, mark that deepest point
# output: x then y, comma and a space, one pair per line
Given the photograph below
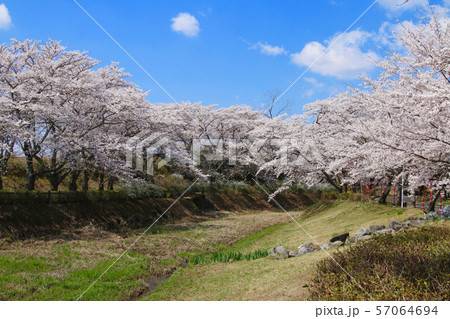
228, 256
268, 278
397, 212
255, 238
62, 270
260, 279
28, 278
324, 221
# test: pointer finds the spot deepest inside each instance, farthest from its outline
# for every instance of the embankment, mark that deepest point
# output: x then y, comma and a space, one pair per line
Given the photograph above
25, 219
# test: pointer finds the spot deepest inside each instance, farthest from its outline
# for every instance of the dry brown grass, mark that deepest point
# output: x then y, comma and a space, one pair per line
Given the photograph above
168, 243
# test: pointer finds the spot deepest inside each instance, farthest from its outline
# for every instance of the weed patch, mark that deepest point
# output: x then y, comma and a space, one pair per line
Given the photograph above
412, 265
224, 257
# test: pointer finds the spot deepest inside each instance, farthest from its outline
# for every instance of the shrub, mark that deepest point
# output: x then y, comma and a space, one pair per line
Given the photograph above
175, 190
411, 265
143, 190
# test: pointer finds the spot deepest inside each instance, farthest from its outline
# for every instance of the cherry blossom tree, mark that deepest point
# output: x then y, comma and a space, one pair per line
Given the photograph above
64, 108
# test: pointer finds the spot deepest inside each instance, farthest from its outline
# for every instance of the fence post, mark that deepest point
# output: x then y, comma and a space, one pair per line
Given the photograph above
402, 191
362, 198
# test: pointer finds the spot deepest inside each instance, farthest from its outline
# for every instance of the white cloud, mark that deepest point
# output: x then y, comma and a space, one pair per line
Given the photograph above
186, 24
308, 93
447, 3
5, 18
314, 82
387, 35
402, 5
344, 60
336, 3
268, 49
317, 87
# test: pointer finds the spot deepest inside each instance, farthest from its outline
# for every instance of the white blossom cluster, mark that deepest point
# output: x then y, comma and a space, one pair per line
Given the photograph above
65, 115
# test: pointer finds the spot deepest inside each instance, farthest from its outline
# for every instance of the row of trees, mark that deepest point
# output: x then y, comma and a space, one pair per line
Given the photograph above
66, 116
395, 127
58, 111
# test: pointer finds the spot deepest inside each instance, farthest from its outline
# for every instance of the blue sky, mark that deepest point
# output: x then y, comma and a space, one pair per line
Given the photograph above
222, 52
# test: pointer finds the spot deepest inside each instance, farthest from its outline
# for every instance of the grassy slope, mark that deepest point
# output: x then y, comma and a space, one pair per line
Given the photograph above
16, 178
61, 268
270, 279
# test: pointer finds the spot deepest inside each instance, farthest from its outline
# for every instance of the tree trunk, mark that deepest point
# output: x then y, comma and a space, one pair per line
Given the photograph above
101, 182
385, 194
56, 179
399, 195
54, 183
31, 176
332, 182
5, 155
85, 181
73, 180
433, 201
3, 166
110, 184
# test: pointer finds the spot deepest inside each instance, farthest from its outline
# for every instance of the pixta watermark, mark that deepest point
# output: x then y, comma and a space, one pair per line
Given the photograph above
150, 152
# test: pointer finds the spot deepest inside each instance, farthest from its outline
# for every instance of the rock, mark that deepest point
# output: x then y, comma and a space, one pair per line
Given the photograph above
413, 223
351, 240
375, 228
307, 248
446, 211
293, 253
384, 231
362, 232
432, 215
341, 238
394, 225
339, 243
278, 252
363, 238
284, 256
333, 244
